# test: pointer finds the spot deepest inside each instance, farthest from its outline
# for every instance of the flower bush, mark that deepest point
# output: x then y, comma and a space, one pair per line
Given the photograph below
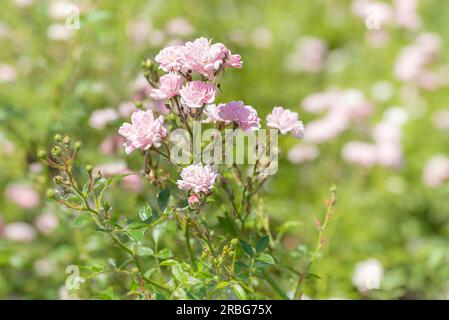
231, 250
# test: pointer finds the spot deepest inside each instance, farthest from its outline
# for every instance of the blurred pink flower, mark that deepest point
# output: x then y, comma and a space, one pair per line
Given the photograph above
132, 181
440, 119
413, 59
406, 14
140, 87
111, 168
179, 27
301, 153
7, 73
436, 171
170, 58
20, 232
99, 119
195, 94
139, 31
46, 222
197, 178
261, 38
144, 131
157, 106
286, 121
309, 56
59, 32
325, 129
111, 145
22, 195
7, 147
244, 116
389, 155
360, 153
126, 108
169, 86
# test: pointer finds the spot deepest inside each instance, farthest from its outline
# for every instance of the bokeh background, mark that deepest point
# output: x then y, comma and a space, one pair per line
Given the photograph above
369, 80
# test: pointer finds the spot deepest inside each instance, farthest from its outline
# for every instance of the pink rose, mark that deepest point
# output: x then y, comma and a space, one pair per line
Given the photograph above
169, 86
244, 116
286, 121
197, 178
170, 58
436, 171
144, 131
360, 153
193, 200
20, 232
195, 94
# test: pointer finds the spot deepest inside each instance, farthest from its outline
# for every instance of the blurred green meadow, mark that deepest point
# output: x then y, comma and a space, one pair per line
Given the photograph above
55, 77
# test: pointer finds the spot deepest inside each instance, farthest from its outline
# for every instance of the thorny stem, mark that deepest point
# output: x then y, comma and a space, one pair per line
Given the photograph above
320, 243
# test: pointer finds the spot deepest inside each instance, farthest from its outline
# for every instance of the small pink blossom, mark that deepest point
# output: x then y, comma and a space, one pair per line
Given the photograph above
144, 131
20, 232
195, 94
126, 108
7, 73
171, 58
111, 168
286, 121
309, 56
244, 116
436, 171
132, 181
169, 86
22, 195
197, 178
193, 200
440, 119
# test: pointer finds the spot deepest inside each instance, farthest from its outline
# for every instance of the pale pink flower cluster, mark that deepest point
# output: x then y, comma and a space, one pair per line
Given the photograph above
198, 56
286, 121
244, 116
144, 132
413, 60
341, 106
195, 94
309, 56
169, 86
386, 150
403, 13
211, 112
436, 171
197, 178
23, 195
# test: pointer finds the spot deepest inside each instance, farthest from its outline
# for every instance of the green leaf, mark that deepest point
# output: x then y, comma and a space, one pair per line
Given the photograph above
158, 231
266, 258
136, 234
222, 285
262, 244
178, 273
81, 220
246, 248
227, 225
162, 199
164, 254
168, 263
238, 291
137, 225
144, 251
145, 212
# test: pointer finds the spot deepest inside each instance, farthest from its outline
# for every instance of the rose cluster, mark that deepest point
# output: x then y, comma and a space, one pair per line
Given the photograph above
187, 92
